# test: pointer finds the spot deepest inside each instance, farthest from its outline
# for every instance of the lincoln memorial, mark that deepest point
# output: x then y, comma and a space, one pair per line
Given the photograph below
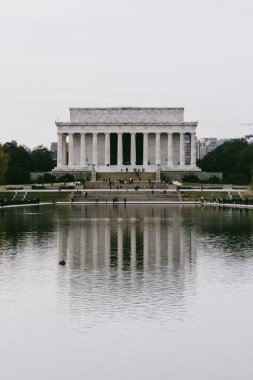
126, 139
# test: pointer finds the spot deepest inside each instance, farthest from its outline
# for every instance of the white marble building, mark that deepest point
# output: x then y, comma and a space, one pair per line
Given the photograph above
125, 139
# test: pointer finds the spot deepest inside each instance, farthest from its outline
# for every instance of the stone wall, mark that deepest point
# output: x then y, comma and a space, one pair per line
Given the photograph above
78, 175
126, 115
178, 175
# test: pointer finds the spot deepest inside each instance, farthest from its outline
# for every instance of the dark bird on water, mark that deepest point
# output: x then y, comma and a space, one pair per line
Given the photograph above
62, 262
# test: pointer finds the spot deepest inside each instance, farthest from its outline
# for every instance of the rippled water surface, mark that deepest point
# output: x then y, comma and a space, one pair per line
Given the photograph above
147, 292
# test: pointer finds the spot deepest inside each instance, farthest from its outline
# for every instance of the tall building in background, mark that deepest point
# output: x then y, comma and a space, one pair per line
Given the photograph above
206, 145
53, 149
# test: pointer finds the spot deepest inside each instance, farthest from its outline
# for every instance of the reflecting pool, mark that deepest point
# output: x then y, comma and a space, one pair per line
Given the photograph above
147, 292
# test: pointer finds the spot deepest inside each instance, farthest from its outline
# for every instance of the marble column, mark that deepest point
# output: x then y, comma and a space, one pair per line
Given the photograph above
158, 149
71, 149
59, 150
133, 149
64, 150
95, 149
82, 150
119, 162
193, 149
170, 149
145, 148
182, 150
107, 148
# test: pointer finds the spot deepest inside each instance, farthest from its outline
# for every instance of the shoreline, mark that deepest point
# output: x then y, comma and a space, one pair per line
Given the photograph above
122, 203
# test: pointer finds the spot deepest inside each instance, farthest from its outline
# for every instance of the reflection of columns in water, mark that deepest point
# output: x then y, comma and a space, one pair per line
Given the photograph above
94, 244
120, 246
145, 245
158, 243
193, 245
107, 243
133, 245
83, 247
182, 246
170, 246
71, 246
62, 243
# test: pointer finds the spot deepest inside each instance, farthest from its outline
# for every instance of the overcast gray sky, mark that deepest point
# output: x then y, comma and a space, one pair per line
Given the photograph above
56, 54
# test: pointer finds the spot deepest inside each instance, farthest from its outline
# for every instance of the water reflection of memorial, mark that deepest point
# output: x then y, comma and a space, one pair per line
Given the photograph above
126, 238
127, 262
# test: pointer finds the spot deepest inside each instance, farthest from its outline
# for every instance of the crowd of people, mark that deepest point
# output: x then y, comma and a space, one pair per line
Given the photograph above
11, 202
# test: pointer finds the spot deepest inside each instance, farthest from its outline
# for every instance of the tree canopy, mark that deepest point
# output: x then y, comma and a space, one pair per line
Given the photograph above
21, 161
42, 159
4, 158
234, 158
19, 164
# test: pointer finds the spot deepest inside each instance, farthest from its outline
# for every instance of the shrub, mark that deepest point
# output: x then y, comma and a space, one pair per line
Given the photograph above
191, 178
66, 178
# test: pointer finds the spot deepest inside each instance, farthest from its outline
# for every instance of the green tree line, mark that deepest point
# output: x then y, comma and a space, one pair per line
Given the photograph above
234, 158
17, 162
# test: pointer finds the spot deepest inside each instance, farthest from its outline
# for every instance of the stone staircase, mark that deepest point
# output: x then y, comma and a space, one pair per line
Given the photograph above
138, 195
135, 176
115, 185
19, 196
235, 195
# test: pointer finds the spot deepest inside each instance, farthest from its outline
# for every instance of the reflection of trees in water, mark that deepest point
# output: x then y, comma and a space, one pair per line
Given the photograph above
228, 229
20, 225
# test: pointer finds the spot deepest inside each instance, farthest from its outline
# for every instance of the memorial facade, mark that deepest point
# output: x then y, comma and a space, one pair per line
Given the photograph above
126, 139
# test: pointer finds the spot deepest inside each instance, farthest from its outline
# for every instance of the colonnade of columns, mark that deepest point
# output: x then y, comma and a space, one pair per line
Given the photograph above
62, 149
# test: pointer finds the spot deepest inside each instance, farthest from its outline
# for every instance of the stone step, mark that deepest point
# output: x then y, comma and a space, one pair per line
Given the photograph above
20, 195
142, 185
135, 176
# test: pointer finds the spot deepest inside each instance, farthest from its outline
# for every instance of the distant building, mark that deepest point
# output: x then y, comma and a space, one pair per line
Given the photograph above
206, 145
53, 149
249, 138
